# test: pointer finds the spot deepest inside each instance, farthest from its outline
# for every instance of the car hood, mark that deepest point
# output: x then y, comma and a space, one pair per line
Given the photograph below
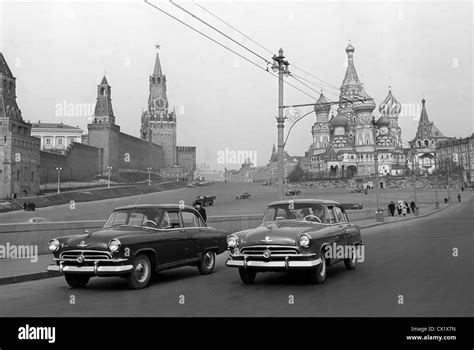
278, 233
100, 239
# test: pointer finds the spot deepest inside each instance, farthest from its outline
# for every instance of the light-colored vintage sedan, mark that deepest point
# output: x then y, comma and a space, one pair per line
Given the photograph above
303, 234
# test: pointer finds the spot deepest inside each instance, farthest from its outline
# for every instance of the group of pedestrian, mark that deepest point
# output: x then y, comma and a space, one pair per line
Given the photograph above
403, 208
200, 209
27, 206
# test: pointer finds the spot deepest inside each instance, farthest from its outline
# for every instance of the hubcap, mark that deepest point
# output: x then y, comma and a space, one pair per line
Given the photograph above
208, 260
141, 271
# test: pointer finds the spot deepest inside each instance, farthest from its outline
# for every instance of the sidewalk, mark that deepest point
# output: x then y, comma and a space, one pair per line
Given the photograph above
21, 270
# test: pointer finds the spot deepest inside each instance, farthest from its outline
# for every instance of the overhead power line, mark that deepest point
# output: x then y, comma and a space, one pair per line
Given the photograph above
226, 47
259, 44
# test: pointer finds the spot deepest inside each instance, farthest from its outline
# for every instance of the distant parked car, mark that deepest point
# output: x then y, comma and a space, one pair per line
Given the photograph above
191, 185
293, 192
265, 183
136, 242
206, 200
37, 219
244, 195
357, 190
305, 234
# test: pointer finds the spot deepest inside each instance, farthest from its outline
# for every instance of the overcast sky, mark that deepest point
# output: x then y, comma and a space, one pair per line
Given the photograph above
59, 51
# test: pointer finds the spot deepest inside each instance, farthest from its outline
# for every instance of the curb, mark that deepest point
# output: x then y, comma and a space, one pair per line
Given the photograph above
407, 219
27, 277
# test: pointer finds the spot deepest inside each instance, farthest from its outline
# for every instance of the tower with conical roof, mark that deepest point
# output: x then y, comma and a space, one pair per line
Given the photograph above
103, 131
19, 151
424, 143
157, 124
103, 112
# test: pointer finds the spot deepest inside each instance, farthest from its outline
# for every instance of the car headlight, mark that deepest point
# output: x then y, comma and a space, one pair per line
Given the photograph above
53, 245
232, 241
304, 241
114, 245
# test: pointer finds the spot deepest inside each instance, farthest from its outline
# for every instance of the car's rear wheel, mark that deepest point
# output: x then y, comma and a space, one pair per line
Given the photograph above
317, 275
247, 276
350, 262
141, 272
76, 281
207, 263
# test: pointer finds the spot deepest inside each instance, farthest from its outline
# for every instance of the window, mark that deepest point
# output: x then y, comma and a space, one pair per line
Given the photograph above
32, 176
189, 219
170, 220
340, 216
330, 217
48, 141
60, 141
18, 175
136, 219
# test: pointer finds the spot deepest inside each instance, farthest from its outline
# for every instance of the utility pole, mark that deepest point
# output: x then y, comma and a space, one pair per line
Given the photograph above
59, 179
378, 213
436, 183
280, 65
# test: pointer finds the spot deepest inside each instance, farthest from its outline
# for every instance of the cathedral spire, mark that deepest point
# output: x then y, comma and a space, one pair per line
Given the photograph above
351, 74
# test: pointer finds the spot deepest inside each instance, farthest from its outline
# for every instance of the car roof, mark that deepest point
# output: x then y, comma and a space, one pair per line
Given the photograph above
304, 201
154, 206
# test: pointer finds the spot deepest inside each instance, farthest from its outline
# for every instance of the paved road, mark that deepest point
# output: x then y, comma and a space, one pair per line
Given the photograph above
226, 204
413, 259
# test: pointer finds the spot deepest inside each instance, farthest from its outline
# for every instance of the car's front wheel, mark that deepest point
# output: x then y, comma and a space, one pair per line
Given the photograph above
350, 262
141, 272
207, 263
247, 276
76, 281
317, 275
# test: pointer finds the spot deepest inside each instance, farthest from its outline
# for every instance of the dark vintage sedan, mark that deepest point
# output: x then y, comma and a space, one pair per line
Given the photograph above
243, 195
137, 242
303, 234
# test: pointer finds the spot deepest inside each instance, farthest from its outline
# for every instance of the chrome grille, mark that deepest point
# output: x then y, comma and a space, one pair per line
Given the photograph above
89, 255
274, 250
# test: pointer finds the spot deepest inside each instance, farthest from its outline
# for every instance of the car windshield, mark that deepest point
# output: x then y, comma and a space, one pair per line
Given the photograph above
136, 217
295, 212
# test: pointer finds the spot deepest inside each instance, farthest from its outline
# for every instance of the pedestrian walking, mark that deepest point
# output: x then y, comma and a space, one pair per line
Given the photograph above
462, 188
391, 208
459, 197
413, 206
404, 209
408, 207
198, 206
400, 207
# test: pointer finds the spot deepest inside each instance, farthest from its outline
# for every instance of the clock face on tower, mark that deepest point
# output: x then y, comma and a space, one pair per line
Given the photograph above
160, 103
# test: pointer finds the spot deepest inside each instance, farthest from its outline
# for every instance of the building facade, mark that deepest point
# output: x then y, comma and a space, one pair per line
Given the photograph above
56, 137
19, 151
457, 155
345, 145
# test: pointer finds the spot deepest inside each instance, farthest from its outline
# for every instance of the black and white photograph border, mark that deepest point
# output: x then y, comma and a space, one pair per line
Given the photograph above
174, 159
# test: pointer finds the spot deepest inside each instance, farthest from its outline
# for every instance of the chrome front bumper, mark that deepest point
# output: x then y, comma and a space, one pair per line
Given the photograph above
95, 270
286, 264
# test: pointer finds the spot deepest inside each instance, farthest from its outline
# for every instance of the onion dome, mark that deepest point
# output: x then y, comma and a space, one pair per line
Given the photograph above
390, 106
338, 121
350, 48
321, 105
382, 121
368, 103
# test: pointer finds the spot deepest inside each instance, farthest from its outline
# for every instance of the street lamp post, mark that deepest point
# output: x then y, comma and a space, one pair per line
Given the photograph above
149, 175
59, 178
436, 183
280, 65
176, 166
378, 212
109, 168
